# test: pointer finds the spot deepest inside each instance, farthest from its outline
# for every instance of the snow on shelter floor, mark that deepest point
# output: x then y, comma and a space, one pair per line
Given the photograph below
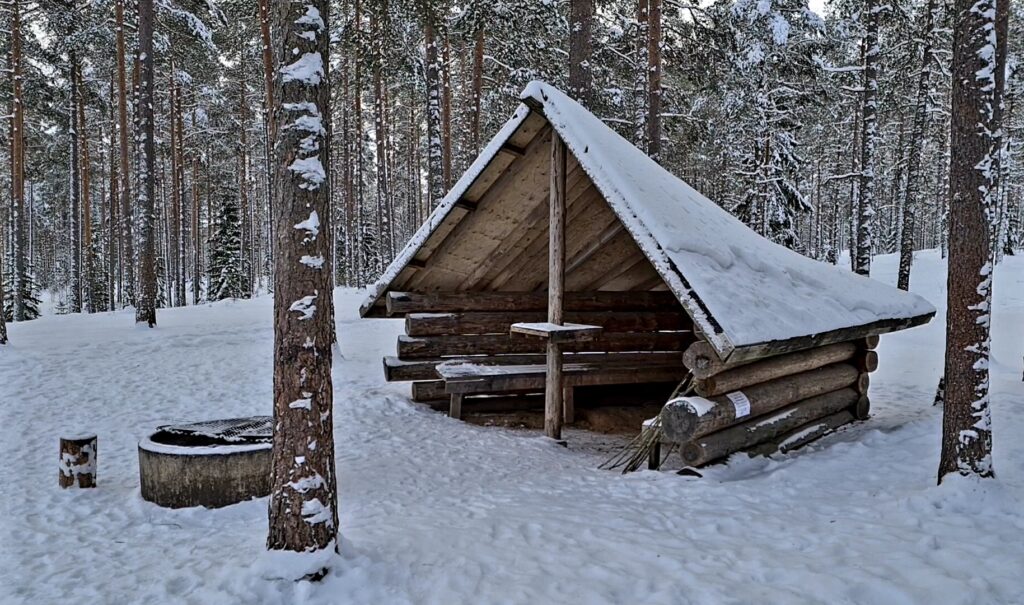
439, 511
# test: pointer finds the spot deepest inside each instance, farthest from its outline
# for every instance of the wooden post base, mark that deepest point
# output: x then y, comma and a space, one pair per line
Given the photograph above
78, 461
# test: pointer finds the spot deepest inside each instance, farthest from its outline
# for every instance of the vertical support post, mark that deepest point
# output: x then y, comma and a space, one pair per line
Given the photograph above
553, 396
455, 406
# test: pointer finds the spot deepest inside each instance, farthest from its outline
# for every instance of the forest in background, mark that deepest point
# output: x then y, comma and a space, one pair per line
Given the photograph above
823, 132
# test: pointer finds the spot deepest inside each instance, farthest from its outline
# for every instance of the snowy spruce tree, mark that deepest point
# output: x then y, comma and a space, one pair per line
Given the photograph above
772, 75
228, 275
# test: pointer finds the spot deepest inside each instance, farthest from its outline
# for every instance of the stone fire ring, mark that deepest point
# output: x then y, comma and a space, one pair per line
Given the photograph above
212, 464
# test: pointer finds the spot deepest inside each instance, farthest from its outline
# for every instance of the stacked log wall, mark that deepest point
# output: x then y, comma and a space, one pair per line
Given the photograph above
639, 329
772, 404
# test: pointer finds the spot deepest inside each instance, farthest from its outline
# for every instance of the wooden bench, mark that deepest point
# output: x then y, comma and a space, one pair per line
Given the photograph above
463, 378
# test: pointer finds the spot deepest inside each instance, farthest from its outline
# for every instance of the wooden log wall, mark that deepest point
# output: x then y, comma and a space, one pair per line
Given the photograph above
643, 330
770, 405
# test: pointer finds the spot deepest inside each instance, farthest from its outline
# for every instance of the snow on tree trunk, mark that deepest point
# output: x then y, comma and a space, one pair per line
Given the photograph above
20, 269
966, 422
478, 87
581, 24
911, 199
145, 311
303, 502
124, 194
435, 149
869, 136
75, 190
654, 79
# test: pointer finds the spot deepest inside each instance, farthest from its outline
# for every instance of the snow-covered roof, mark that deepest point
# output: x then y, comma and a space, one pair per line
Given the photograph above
742, 290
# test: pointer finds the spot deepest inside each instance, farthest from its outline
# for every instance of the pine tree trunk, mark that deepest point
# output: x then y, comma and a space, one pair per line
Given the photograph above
20, 269
145, 311
303, 501
196, 246
640, 83
581, 25
966, 421
869, 136
478, 85
113, 243
74, 161
243, 191
127, 220
654, 79
174, 233
911, 200
87, 252
268, 122
380, 134
446, 113
435, 151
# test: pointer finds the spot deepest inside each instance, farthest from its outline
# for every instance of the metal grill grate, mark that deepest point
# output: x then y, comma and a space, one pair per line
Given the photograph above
254, 429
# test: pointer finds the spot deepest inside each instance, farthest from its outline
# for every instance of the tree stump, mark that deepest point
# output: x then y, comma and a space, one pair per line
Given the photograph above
78, 461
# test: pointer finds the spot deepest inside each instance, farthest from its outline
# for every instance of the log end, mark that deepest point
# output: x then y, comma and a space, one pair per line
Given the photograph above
863, 382
693, 454
862, 408
869, 361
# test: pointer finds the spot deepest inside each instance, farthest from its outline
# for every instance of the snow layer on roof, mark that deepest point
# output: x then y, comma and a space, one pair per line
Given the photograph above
755, 290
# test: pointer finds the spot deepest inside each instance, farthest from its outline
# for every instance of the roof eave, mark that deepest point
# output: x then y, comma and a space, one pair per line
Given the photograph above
757, 351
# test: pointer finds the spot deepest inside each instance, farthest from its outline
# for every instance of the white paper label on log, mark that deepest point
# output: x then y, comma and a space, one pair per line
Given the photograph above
740, 402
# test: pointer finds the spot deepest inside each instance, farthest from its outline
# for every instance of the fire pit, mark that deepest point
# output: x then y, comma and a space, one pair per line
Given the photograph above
212, 464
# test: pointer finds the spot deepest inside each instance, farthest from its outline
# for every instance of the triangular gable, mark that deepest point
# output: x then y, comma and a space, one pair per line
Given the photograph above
750, 297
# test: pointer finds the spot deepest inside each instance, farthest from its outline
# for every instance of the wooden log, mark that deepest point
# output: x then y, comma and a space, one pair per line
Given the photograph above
78, 461
412, 347
862, 408
429, 390
867, 360
400, 303
700, 358
863, 382
871, 342
404, 370
721, 444
803, 435
448, 324
534, 377
772, 368
687, 418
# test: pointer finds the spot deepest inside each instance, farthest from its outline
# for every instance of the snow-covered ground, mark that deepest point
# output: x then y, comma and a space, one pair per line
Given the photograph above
439, 511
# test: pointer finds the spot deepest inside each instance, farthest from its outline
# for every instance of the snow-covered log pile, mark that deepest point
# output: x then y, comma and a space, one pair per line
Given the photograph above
772, 404
642, 340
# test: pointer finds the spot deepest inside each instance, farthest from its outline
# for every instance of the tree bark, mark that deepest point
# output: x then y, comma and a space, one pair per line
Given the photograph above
581, 25
87, 252
911, 199
145, 311
74, 161
303, 503
435, 148
478, 86
869, 136
124, 192
20, 269
966, 421
654, 79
